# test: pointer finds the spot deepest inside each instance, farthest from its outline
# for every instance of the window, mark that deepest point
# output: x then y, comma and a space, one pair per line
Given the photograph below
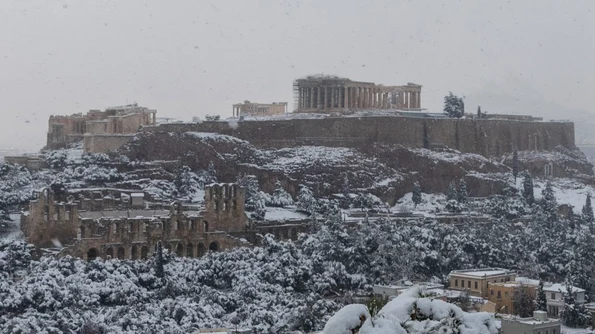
491, 292
553, 296
469, 284
456, 282
505, 293
499, 295
475, 285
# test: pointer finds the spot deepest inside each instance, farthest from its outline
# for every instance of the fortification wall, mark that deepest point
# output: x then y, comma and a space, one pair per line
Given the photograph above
485, 136
104, 143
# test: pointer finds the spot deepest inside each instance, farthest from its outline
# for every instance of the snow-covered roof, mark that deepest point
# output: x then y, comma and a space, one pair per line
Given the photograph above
482, 272
557, 287
137, 194
526, 280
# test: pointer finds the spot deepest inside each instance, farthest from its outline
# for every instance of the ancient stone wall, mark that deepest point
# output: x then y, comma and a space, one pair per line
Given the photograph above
482, 136
104, 143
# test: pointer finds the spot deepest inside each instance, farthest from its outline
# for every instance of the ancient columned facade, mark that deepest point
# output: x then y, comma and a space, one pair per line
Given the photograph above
332, 94
259, 109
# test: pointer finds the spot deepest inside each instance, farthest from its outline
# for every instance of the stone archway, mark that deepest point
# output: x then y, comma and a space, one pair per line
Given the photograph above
92, 254
200, 250
214, 246
190, 250
144, 252
134, 252
121, 253
180, 250
109, 253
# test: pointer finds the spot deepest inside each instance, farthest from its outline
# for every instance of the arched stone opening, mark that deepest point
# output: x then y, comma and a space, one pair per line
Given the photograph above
92, 254
206, 226
134, 252
190, 250
109, 252
144, 252
214, 246
200, 250
121, 253
180, 250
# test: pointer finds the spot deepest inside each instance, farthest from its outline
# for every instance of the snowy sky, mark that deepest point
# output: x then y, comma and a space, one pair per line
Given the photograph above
188, 58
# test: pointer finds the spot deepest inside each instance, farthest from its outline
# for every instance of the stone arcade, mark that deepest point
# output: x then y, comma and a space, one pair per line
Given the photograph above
133, 234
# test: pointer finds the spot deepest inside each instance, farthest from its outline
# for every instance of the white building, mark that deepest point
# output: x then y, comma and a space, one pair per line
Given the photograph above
538, 324
554, 294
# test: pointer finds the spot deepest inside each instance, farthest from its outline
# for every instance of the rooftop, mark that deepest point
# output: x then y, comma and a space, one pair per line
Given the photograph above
557, 287
483, 272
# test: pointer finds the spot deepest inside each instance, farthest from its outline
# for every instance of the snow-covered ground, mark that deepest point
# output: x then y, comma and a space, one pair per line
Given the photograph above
567, 191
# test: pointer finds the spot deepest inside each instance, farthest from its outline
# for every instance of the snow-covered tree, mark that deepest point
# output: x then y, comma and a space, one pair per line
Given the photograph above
305, 200
346, 192
159, 261
454, 106
515, 164
258, 205
416, 195
452, 193
549, 204
280, 197
462, 195
528, 193
587, 217
574, 314
211, 172
523, 301
541, 301
452, 199
251, 190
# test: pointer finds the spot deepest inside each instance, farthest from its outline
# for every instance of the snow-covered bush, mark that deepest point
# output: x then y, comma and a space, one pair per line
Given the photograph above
411, 312
280, 197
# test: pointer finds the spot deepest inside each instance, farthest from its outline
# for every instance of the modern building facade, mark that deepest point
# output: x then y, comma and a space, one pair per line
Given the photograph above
323, 94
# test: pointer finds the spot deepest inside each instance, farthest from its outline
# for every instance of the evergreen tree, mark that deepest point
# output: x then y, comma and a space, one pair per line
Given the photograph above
183, 181
211, 173
416, 196
452, 199
259, 206
515, 164
305, 200
587, 213
280, 197
573, 315
159, 261
452, 193
528, 188
541, 301
549, 204
462, 195
454, 106
523, 301
346, 192
251, 190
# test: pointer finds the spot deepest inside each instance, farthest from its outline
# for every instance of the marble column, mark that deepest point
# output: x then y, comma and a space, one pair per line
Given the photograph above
318, 101
326, 97
311, 92
346, 97
419, 99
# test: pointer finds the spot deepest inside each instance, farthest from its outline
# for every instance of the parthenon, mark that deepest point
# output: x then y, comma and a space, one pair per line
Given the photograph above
322, 93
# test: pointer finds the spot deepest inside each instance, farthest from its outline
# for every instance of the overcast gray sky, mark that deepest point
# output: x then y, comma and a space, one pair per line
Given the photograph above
191, 58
